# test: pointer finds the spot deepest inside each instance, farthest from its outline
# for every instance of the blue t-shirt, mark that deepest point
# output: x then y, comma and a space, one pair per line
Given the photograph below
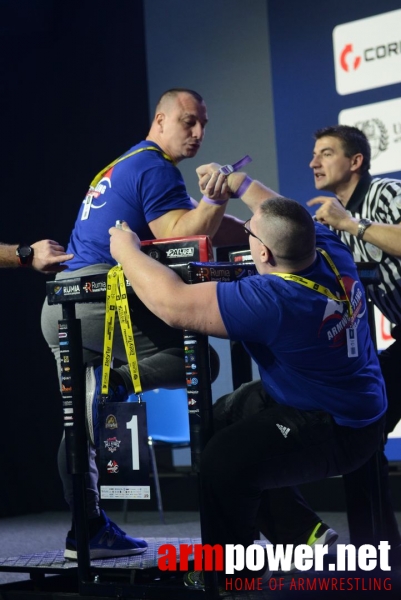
297, 337
137, 190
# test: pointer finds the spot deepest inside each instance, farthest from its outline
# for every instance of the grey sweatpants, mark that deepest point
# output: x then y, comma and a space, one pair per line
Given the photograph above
160, 357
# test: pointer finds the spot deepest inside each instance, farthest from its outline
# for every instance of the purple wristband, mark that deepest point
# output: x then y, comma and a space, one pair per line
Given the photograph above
243, 187
214, 202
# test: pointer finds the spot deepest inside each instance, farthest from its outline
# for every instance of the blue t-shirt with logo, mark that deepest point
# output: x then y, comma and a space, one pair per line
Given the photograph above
298, 337
137, 190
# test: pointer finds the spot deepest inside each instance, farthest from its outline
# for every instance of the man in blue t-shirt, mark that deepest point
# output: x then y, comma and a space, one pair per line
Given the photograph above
303, 319
145, 188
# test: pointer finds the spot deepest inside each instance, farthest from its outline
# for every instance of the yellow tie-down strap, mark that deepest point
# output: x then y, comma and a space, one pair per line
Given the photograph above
116, 300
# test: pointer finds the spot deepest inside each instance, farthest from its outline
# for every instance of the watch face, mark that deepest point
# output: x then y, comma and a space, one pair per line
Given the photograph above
25, 255
24, 251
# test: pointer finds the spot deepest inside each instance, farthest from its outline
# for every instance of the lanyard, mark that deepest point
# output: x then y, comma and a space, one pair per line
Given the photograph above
92, 188
98, 177
116, 300
320, 288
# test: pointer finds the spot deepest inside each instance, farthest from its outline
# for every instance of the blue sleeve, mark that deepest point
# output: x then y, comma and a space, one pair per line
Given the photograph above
162, 189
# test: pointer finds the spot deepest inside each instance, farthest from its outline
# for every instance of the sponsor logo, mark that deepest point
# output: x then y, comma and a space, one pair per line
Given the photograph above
66, 359
94, 287
336, 319
112, 467
62, 326
111, 422
283, 430
57, 290
367, 53
112, 444
191, 401
192, 381
62, 334
99, 190
173, 252
64, 343
65, 389
381, 123
66, 369
71, 290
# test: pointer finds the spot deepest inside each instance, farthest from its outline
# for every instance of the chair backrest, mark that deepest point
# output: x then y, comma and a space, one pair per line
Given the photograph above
167, 415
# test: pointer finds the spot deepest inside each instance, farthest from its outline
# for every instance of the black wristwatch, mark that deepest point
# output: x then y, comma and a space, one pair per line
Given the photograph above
25, 255
362, 227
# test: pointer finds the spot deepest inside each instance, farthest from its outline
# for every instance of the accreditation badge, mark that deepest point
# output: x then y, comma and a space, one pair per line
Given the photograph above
123, 451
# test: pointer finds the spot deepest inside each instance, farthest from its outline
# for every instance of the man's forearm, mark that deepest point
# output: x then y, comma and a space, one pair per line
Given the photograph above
254, 194
205, 219
8, 257
385, 236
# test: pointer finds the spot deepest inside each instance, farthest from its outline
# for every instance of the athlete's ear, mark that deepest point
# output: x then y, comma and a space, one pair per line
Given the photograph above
159, 118
265, 255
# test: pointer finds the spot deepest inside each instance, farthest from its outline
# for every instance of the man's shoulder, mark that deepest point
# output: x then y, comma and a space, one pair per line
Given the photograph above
146, 156
383, 183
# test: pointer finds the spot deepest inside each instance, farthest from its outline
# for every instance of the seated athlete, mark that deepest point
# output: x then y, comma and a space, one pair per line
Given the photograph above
325, 397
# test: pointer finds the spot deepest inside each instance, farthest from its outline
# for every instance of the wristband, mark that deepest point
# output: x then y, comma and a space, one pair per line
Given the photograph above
227, 169
214, 202
242, 188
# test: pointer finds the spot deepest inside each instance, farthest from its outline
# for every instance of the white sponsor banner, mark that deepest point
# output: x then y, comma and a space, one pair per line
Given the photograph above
384, 339
367, 53
381, 123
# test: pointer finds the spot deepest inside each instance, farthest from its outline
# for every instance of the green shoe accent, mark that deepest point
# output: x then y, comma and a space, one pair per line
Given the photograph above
312, 538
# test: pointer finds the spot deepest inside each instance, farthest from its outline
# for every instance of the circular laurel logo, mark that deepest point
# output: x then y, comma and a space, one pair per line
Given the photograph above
377, 134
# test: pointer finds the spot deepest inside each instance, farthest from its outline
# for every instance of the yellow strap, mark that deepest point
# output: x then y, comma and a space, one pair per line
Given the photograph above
98, 177
320, 288
116, 300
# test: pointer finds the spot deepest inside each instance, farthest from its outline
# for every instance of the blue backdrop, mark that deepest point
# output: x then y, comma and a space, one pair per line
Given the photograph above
304, 90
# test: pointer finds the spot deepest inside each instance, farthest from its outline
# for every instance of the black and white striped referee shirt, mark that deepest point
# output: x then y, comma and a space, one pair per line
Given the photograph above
378, 199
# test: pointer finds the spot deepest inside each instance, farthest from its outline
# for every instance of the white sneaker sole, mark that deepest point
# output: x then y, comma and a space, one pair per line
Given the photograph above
94, 554
329, 537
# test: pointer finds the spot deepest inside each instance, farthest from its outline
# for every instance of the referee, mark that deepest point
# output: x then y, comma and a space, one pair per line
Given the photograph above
366, 213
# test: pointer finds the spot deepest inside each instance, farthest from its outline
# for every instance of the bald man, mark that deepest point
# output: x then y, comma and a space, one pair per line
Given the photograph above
144, 188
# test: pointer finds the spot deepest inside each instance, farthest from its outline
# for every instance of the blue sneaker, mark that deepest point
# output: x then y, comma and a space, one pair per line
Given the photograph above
110, 541
93, 387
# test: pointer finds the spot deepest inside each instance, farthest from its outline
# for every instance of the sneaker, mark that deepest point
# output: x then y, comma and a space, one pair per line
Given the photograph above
320, 534
93, 387
195, 579
109, 542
